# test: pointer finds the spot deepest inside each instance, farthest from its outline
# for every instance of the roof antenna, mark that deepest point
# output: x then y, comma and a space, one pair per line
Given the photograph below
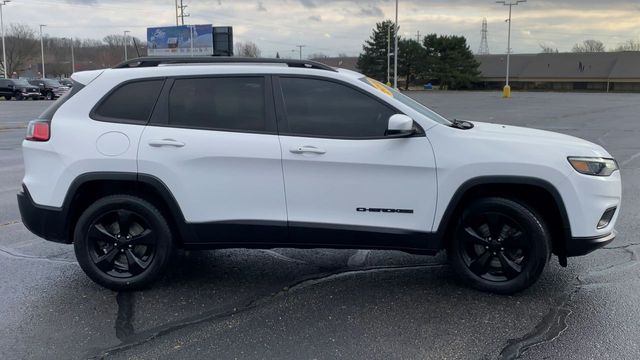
136, 45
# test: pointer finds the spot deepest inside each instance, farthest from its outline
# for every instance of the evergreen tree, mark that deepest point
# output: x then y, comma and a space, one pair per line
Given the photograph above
411, 61
278, 55
451, 61
373, 61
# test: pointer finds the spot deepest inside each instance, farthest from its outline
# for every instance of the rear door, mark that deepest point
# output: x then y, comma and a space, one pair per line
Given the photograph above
347, 184
213, 142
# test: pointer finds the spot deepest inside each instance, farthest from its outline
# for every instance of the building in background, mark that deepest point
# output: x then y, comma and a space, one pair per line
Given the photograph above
605, 71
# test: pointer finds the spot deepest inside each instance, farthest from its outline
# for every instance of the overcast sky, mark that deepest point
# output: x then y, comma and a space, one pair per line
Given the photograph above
341, 26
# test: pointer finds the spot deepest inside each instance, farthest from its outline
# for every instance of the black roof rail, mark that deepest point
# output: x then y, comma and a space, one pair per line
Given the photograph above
156, 61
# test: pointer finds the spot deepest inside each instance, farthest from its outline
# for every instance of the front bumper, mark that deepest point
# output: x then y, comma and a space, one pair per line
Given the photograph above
31, 95
43, 221
579, 246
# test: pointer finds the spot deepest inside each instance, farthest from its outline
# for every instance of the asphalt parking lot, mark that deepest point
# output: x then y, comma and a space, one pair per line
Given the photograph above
326, 304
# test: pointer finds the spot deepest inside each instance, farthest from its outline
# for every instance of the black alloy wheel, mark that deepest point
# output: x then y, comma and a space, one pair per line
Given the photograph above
494, 247
499, 245
123, 242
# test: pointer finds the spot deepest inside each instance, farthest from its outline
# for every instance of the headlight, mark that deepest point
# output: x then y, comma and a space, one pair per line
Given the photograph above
593, 165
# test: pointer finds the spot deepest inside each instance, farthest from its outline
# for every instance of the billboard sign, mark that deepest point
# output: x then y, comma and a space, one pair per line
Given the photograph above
180, 40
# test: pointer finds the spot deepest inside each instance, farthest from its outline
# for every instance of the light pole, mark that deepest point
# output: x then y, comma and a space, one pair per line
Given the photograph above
395, 54
506, 92
42, 50
125, 44
4, 53
73, 59
389, 54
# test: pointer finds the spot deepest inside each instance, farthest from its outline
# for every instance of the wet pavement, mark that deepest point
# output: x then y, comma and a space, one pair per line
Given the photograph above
326, 304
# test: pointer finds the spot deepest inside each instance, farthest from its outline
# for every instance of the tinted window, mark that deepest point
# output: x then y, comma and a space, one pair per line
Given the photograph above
325, 108
132, 101
219, 103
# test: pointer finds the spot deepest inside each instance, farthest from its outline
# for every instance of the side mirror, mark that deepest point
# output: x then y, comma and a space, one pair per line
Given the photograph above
400, 125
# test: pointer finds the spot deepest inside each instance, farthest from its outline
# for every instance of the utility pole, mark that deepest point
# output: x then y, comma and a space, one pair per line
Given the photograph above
301, 46
176, 12
395, 54
125, 44
418, 36
484, 42
42, 50
506, 92
182, 14
4, 53
389, 54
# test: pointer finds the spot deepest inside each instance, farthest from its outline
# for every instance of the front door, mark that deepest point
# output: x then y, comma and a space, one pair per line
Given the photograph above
346, 183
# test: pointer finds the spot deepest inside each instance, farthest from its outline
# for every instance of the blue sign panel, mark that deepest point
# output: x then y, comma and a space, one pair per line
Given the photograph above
180, 40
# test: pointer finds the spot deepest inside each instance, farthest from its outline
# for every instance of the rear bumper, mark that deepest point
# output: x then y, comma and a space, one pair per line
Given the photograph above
43, 221
579, 246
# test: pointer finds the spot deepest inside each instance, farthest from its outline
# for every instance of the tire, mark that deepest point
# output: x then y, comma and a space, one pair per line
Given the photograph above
19, 97
128, 261
499, 246
7, 97
48, 96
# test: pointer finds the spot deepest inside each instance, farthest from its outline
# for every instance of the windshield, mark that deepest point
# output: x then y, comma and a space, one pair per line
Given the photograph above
21, 82
391, 92
53, 83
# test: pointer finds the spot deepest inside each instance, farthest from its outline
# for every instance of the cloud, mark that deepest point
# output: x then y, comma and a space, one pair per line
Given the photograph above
261, 6
316, 18
372, 11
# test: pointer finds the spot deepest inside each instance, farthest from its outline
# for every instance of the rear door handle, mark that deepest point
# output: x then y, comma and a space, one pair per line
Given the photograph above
165, 142
307, 150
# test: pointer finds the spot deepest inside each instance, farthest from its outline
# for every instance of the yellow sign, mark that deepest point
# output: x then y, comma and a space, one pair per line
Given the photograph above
380, 87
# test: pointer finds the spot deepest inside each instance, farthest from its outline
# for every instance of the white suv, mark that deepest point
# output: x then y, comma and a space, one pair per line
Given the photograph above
158, 154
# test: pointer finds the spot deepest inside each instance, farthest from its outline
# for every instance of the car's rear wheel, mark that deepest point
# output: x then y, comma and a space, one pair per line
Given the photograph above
19, 97
123, 242
499, 246
49, 96
7, 97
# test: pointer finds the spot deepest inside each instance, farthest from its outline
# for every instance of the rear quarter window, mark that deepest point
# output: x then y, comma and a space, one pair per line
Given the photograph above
51, 110
131, 102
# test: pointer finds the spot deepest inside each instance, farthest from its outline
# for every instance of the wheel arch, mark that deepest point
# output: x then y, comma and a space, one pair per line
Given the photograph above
536, 193
87, 188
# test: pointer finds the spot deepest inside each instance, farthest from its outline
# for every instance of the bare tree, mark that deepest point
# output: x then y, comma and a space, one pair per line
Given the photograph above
629, 45
547, 49
589, 46
247, 49
21, 46
317, 55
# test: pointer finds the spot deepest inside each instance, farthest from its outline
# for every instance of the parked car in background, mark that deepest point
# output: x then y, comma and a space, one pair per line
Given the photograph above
19, 89
50, 89
66, 82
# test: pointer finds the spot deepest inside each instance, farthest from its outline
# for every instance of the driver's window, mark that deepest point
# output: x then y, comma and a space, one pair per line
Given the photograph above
328, 109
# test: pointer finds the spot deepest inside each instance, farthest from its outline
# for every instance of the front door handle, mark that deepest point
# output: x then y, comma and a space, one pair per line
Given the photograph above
165, 142
307, 150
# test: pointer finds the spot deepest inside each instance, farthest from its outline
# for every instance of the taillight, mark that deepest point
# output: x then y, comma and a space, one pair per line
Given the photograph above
38, 130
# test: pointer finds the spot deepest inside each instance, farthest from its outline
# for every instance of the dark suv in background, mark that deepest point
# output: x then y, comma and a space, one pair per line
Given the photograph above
19, 89
49, 88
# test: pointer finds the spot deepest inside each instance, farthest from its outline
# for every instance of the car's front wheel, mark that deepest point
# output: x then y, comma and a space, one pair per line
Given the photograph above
499, 246
123, 242
7, 97
49, 96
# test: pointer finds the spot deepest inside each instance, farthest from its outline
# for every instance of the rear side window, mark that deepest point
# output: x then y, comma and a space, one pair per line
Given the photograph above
322, 108
51, 110
232, 104
131, 102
